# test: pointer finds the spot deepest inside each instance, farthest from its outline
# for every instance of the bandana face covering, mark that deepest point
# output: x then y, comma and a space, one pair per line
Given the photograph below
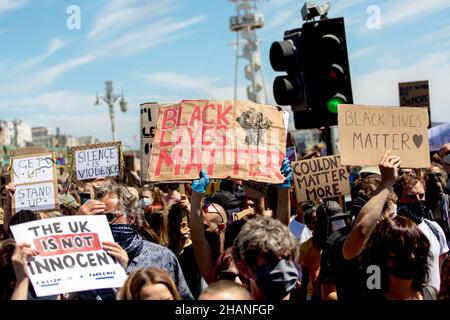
128, 239
277, 279
414, 211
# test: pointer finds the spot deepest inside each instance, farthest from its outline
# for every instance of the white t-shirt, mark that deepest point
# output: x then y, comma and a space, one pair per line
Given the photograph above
437, 248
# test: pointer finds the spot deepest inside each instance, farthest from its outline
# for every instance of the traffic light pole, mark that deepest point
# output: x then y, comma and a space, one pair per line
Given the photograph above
327, 138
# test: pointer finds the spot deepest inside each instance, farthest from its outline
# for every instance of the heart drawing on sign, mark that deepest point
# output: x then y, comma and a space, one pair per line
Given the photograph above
417, 139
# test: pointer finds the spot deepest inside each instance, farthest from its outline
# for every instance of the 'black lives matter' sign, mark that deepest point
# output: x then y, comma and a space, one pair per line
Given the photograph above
98, 160
320, 178
367, 132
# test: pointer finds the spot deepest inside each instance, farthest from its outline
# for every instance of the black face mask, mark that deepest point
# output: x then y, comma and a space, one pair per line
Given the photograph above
404, 268
415, 211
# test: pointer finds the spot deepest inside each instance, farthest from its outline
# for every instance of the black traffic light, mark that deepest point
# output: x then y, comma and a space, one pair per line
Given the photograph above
326, 68
286, 56
318, 74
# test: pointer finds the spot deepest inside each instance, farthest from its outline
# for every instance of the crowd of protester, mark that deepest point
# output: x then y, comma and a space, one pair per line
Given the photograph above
389, 242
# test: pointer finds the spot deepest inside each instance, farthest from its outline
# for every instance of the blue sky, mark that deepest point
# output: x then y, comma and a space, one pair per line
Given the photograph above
168, 50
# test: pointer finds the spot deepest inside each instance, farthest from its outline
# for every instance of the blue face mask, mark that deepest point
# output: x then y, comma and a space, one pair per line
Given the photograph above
277, 279
145, 202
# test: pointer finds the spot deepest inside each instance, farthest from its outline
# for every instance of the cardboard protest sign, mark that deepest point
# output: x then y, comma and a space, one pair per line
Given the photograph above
35, 178
320, 178
97, 160
70, 257
366, 133
415, 94
241, 140
254, 189
32, 169
149, 118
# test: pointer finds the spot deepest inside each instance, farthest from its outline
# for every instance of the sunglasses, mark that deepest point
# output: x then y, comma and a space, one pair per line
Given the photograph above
111, 216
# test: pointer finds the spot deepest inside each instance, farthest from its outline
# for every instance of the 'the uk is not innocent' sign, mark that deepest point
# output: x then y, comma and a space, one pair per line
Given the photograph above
71, 257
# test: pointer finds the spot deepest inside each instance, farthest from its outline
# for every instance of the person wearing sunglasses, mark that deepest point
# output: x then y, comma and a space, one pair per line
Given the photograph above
121, 208
208, 222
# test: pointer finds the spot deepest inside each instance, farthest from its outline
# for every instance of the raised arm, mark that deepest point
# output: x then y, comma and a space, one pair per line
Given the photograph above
22, 253
11, 189
284, 201
371, 212
202, 249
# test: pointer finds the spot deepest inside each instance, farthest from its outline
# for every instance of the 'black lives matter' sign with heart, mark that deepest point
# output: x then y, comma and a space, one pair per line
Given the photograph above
367, 132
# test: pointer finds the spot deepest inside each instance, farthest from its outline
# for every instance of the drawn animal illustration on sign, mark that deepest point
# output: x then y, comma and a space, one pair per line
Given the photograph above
255, 124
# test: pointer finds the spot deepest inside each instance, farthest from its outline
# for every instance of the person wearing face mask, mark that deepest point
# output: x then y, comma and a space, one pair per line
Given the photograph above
410, 190
400, 250
436, 200
121, 210
265, 252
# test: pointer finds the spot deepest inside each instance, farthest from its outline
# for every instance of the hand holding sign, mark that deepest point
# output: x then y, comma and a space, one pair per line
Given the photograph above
389, 169
200, 185
115, 250
288, 173
11, 188
21, 255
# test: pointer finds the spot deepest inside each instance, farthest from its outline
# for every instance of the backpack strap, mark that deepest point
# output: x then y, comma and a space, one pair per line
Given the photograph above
430, 293
434, 230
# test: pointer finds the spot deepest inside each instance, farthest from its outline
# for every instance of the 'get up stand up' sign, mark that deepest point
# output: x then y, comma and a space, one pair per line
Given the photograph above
35, 180
366, 133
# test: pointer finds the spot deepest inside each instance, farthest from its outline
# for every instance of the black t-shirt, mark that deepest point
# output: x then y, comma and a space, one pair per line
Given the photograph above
335, 269
190, 270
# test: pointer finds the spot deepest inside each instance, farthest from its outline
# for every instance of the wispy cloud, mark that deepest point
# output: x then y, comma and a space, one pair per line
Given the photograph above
45, 77
197, 86
119, 15
280, 18
438, 35
361, 53
389, 61
381, 86
55, 45
10, 5
4, 30
128, 26
151, 35
403, 10
60, 102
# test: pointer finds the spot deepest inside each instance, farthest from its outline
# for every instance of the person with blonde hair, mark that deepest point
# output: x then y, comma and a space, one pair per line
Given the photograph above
149, 284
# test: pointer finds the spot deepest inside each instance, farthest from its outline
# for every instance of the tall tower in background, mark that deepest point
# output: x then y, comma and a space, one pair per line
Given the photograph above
245, 23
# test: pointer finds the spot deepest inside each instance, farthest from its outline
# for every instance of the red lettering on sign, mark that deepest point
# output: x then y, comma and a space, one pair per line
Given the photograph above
169, 119
163, 157
67, 243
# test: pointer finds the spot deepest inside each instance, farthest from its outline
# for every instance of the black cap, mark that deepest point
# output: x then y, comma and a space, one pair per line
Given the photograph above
334, 210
